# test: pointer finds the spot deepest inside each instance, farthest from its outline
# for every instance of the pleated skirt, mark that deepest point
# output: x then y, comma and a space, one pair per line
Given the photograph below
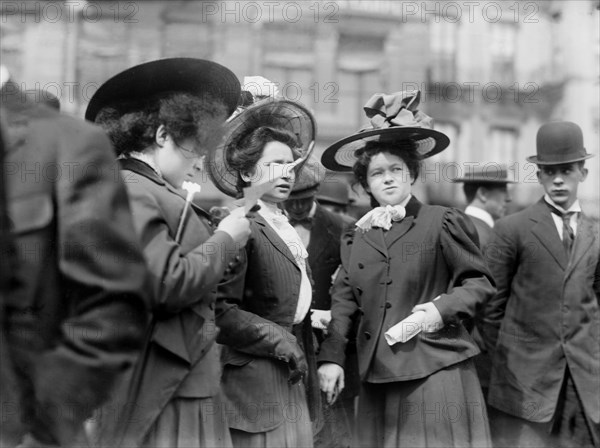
190, 423
446, 409
295, 430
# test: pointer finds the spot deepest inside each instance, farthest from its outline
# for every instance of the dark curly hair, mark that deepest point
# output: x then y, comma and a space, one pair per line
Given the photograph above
405, 149
249, 149
132, 126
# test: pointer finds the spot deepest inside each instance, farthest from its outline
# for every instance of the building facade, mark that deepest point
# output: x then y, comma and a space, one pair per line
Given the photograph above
490, 72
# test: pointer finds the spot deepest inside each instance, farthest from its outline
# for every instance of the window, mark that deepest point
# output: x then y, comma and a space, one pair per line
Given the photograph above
503, 52
360, 61
102, 52
184, 34
503, 147
289, 58
12, 31
443, 35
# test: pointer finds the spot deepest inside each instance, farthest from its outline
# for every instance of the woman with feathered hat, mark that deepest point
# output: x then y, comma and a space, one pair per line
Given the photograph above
263, 311
163, 117
410, 274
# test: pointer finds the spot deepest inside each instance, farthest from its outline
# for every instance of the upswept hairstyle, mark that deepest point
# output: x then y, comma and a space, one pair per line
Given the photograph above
132, 126
249, 148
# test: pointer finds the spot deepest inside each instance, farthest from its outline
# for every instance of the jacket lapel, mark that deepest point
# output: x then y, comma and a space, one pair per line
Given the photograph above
584, 241
374, 238
545, 231
274, 238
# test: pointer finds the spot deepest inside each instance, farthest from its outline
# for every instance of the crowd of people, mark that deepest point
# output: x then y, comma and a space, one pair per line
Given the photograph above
133, 317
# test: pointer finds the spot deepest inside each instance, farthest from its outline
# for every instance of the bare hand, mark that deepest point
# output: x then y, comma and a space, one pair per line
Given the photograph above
331, 380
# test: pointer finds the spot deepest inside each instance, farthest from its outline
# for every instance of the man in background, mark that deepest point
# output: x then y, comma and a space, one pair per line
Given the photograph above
321, 231
486, 191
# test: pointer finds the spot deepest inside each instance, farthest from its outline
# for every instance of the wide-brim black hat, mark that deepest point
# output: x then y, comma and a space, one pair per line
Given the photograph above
394, 118
196, 76
278, 113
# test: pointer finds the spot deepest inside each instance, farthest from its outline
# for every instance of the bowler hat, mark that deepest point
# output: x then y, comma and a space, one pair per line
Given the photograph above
196, 76
559, 142
308, 180
334, 191
491, 173
394, 117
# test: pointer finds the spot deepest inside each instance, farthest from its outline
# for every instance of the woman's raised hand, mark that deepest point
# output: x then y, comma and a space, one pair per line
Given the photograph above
331, 380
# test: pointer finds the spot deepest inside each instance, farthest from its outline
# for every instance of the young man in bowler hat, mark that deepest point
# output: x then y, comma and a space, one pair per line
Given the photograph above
321, 231
543, 324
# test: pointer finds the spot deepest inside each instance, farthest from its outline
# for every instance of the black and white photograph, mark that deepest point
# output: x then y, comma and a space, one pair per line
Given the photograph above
300, 224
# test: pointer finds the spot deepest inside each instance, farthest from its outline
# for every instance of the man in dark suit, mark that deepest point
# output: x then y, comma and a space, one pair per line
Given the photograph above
321, 231
487, 197
333, 196
543, 325
486, 190
75, 317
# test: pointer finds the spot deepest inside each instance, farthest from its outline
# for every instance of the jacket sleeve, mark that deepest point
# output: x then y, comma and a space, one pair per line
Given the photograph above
344, 309
243, 330
502, 257
471, 283
177, 280
102, 279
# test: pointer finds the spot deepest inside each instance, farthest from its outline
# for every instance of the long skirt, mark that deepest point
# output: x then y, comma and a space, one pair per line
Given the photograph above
190, 423
446, 409
264, 381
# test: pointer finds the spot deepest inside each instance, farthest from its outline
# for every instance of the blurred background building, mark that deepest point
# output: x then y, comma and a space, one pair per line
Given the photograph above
491, 72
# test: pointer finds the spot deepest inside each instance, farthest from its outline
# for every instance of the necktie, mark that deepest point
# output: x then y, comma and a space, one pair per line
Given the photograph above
568, 236
381, 217
304, 222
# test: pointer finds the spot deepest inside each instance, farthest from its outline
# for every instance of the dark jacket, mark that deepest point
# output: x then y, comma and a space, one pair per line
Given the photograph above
256, 313
180, 356
324, 253
484, 231
544, 317
76, 318
432, 252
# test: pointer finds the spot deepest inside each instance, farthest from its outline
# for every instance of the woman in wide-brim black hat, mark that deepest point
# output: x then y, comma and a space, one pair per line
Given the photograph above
410, 274
264, 319
163, 117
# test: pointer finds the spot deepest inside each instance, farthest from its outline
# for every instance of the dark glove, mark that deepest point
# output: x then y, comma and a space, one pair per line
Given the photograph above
298, 367
289, 351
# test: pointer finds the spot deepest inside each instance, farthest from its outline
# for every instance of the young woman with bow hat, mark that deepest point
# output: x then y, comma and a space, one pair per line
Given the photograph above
263, 308
410, 273
163, 117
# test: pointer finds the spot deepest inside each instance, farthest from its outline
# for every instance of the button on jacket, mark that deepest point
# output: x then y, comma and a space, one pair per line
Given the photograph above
431, 252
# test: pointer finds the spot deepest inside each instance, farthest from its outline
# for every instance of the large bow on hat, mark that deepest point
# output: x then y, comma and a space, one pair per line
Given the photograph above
397, 109
394, 118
